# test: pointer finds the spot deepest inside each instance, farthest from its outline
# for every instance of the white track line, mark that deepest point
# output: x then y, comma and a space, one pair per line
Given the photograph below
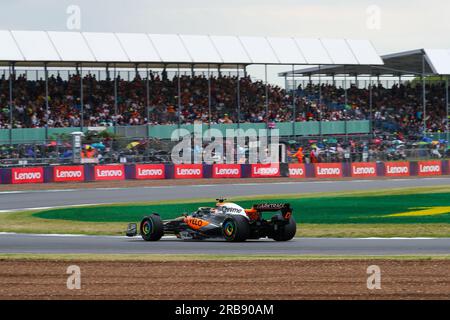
55, 207
174, 237
71, 235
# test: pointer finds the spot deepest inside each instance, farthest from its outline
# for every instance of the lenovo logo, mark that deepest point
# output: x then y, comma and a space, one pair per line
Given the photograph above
265, 171
109, 173
363, 171
296, 172
63, 174
113, 172
68, 173
397, 170
328, 171
150, 172
18, 176
27, 175
430, 168
228, 172
188, 172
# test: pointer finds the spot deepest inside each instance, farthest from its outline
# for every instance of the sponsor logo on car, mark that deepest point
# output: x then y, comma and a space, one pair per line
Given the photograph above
195, 223
270, 206
68, 173
232, 210
27, 175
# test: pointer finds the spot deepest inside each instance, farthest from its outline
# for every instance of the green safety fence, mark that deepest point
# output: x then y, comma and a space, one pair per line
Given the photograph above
310, 128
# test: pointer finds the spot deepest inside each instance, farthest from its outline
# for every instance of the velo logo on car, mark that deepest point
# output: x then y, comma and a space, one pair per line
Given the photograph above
364, 169
188, 171
27, 175
150, 171
68, 173
226, 171
397, 169
328, 170
265, 170
111, 172
297, 170
429, 168
195, 223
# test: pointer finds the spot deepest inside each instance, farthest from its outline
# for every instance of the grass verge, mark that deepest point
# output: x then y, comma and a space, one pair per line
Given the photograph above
339, 214
24, 222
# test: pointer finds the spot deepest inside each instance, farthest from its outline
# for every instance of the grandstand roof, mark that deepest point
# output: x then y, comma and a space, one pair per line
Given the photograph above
33, 48
437, 62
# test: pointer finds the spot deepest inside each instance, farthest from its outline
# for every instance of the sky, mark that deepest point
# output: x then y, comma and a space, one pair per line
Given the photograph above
392, 26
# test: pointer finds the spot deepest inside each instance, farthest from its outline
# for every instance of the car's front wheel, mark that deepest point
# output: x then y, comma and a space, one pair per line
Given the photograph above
152, 228
236, 229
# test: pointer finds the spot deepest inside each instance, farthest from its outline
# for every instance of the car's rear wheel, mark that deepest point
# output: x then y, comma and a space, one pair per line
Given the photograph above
236, 229
152, 228
285, 232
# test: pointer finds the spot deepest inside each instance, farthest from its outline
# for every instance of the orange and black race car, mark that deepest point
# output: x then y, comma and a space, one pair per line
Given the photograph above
226, 220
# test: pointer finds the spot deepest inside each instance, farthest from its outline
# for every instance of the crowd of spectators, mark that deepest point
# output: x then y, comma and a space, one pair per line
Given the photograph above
395, 109
380, 148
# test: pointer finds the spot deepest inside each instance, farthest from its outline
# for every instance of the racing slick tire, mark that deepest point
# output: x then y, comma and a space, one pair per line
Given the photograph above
152, 228
236, 229
286, 232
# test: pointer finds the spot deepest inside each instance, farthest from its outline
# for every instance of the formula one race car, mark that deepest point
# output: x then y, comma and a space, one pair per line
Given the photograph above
226, 221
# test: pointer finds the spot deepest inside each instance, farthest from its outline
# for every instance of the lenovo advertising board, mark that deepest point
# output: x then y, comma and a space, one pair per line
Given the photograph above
109, 172
363, 170
297, 170
27, 175
397, 169
269, 170
226, 171
188, 171
328, 170
150, 171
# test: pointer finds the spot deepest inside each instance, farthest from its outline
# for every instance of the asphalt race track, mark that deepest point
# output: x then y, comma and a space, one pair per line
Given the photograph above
71, 244
60, 244
14, 200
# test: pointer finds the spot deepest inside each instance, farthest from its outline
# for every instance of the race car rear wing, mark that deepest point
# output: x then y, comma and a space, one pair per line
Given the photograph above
284, 208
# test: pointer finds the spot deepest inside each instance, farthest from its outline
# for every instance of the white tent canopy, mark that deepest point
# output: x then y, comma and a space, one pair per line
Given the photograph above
92, 48
408, 63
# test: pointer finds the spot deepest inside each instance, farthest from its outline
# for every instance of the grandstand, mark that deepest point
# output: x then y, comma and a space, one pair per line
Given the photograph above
421, 63
145, 52
143, 86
